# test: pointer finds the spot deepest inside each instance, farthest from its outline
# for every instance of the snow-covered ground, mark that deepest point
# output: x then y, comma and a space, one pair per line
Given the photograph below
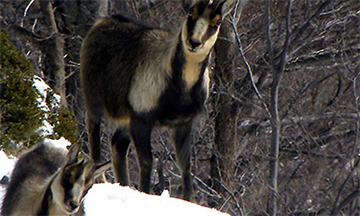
112, 199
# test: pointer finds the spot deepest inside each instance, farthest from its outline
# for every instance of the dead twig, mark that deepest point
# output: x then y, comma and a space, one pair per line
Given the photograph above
337, 208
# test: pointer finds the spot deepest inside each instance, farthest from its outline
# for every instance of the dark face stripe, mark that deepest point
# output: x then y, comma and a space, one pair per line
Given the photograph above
74, 174
67, 184
201, 8
212, 19
190, 26
198, 10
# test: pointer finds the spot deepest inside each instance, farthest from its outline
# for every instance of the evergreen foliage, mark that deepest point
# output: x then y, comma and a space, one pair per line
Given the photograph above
21, 113
64, 124
20, 116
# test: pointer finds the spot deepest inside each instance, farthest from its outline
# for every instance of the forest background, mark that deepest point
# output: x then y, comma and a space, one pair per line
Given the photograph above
281, 131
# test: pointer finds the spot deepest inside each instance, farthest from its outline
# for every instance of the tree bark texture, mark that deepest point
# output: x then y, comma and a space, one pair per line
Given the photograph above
225, 155
53, 49
277, 70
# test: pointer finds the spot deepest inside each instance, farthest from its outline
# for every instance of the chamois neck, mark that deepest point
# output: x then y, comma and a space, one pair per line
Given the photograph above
49, 204
55, 201
46, 201
56, 210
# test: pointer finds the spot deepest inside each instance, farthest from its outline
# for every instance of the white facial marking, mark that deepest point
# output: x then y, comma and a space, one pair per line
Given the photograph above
200, 29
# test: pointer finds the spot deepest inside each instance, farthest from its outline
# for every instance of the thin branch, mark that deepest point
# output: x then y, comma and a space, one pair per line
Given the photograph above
24, 33
322, 55
354, 195
285, 182
49, 17
305, 119
274, 106
268, 35
248, 68
213, 193
301, 93
306, 24
26, 12
336, 209
287, 38
135, 9
233, 197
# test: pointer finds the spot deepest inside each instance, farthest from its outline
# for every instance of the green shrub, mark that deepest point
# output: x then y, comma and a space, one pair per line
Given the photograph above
62, 120
21, 111
20, 116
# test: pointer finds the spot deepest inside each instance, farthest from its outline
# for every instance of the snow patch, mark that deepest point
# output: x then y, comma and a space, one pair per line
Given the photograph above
112, 199
46, 130
7, 164
61, 143
42, 88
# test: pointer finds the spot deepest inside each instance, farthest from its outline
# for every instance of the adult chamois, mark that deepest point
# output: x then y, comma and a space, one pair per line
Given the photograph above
140, 77
49, 180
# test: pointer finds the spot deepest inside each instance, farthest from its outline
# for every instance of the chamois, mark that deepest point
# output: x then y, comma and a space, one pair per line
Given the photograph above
140, 77
48, 180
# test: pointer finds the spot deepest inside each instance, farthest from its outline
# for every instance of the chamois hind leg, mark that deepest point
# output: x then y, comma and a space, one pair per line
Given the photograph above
119, 147
93, 123
182, 138
141, 134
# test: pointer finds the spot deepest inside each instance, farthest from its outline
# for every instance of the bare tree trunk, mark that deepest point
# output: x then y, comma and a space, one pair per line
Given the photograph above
83, 15
277, 71
53, 49
223, 161
103, 9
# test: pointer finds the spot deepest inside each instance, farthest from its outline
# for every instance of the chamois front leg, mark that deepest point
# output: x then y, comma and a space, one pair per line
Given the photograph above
119, 147
182, 138
141, 134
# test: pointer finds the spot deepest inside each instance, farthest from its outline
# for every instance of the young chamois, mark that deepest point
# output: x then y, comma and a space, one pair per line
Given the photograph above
48, 180
141, 77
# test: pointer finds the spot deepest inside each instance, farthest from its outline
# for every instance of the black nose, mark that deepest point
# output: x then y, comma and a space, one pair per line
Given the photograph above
73, 205
194, 43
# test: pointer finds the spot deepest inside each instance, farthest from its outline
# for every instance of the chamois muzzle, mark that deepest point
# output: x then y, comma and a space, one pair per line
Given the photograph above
194, 44
72, 206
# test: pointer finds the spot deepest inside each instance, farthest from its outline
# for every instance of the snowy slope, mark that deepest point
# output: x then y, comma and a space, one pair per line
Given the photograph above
112, 199
126, 201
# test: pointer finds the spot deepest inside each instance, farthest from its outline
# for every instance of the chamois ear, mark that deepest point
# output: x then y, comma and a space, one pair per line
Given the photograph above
226, 7
100, 168
72, 155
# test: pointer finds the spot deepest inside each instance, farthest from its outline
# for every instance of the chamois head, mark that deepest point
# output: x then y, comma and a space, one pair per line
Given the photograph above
75, 178
202, 26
